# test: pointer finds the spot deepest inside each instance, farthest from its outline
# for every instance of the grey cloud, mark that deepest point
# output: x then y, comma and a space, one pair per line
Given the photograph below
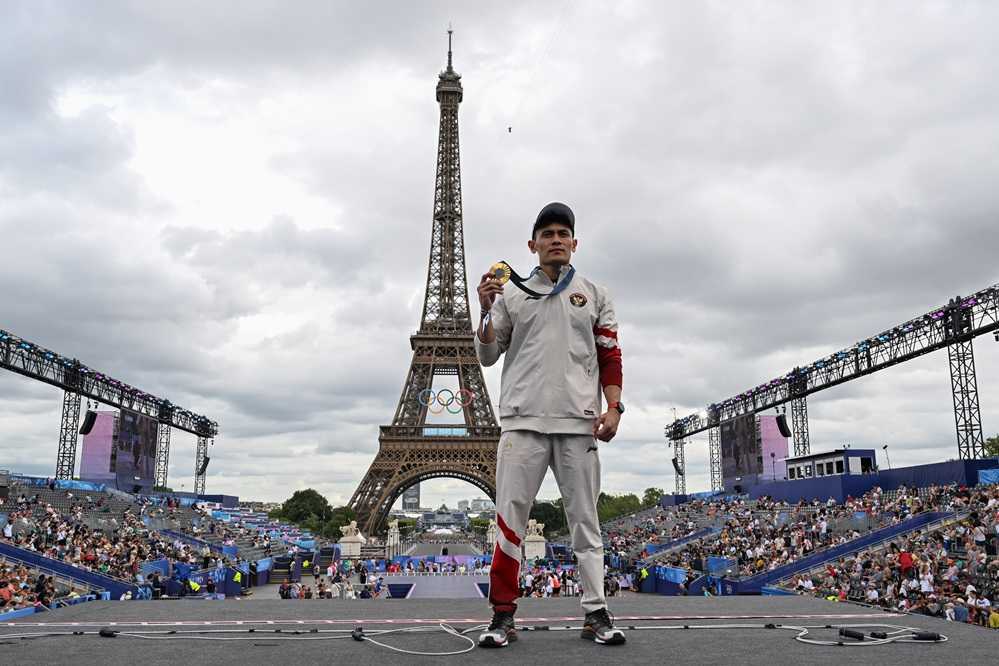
757, 186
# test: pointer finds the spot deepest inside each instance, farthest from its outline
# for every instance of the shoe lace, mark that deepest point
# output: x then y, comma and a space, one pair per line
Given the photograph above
603, 616
500, 620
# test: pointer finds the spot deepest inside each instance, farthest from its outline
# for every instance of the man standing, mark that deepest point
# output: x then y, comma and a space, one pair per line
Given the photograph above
559, 333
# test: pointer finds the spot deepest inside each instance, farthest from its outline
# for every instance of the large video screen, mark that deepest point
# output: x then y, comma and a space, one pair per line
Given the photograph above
774, 449
135, 454
741, 455
97, 462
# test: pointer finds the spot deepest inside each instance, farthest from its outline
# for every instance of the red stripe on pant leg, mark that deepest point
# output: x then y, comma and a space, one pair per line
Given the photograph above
510, 535
504, 586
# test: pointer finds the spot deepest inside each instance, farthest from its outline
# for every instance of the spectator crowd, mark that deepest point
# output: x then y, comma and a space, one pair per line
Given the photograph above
950, 573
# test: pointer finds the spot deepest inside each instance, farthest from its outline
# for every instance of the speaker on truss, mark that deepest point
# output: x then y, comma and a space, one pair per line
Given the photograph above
782, 425
676, 466
88, 422
204, 466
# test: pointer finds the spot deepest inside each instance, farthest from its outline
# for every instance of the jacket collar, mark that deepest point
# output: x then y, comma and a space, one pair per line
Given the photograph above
544, 277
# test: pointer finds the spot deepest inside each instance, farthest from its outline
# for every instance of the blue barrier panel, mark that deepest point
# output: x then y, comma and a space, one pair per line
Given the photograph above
162, 566
988, 476
62, 484
265, 564
671, 574
11, 615
182, 569
770, 591
224, 579
696, 587
78, 600
720, 565
668, 588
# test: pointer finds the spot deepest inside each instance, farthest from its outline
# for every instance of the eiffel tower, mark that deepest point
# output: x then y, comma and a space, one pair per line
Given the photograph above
410, 450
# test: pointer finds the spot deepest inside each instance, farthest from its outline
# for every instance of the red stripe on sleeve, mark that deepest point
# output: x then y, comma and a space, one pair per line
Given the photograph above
606, 332
609, 361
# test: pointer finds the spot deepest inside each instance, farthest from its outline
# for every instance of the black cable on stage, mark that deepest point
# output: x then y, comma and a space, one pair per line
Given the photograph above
848, 636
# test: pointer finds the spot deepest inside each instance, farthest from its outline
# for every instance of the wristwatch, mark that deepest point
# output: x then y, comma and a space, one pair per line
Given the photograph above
619, 406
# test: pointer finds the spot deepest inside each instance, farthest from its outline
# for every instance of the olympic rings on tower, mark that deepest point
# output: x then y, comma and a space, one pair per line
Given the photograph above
445, 398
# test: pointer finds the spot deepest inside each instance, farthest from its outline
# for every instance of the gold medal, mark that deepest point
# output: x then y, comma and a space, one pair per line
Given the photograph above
501, 271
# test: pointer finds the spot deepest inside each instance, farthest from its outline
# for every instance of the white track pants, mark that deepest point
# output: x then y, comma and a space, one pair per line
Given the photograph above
522, 461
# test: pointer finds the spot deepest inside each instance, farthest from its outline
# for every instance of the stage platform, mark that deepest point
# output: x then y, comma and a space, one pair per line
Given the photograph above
274, 621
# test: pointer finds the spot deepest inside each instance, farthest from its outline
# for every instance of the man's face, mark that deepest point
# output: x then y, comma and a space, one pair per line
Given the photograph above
553, 244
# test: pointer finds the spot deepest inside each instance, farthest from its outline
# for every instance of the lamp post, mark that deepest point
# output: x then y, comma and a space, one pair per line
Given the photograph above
773, 465
887, 459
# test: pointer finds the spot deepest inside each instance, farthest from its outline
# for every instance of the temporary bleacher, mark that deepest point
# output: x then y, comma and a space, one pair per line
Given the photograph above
922, 521
91, 579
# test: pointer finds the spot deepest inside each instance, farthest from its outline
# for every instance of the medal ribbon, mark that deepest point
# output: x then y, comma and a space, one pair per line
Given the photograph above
521, 284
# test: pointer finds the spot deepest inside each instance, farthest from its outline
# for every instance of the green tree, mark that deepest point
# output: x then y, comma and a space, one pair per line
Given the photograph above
479, 525
338, 517
551, 514
303, 504
992, 446
612, 506
652, 496
406, 526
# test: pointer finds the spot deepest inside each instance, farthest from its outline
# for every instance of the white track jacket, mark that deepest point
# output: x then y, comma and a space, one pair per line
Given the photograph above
559, 351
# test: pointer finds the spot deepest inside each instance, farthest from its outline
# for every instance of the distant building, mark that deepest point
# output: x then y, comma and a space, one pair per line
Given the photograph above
462, 505
443, 518
411, 498
482, 504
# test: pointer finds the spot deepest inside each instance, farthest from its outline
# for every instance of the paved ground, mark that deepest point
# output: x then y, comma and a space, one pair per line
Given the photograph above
727, 644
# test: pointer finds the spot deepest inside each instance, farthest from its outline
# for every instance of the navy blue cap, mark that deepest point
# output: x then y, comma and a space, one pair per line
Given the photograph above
555, 212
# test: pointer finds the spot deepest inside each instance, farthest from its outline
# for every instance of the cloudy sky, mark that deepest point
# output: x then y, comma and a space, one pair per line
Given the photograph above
229, 204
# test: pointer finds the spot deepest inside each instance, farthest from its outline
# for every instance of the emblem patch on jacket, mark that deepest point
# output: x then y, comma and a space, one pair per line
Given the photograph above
578, 300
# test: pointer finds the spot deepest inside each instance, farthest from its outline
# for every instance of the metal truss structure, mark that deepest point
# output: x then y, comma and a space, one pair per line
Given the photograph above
80, 381
199, 462
410, 450
68, 433
964, 385
715, 457
799, 426
681, 466
162, 455
953, 325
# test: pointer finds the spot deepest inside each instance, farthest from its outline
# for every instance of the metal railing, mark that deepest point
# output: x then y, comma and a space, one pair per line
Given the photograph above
58, 575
